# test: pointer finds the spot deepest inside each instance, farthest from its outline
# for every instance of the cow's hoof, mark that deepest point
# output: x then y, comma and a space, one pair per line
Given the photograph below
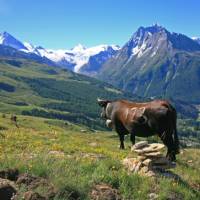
171, 157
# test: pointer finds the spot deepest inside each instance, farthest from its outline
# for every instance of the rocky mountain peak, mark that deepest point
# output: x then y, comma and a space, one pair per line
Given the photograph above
8, 40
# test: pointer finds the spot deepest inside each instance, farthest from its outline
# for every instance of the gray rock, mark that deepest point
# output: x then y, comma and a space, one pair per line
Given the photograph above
130, 163
153, 154
153, 147
139, 151
7, 189
140, 145
30, 195
153, 196
147, 162
141, 158
104, 192
144, 170
137, 167
150, 173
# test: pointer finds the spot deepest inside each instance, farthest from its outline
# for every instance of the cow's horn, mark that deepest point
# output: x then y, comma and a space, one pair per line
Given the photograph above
102, 102
99, 100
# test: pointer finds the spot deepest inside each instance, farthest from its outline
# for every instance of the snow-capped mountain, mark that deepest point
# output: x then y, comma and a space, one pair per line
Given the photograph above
82, 57
8, 40
73, 59
156, 62
77, 57
95, 58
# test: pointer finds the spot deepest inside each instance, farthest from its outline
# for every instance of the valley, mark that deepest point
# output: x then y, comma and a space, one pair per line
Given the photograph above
31, 88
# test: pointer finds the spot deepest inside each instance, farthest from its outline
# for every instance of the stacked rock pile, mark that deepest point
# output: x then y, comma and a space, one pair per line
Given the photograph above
149, 161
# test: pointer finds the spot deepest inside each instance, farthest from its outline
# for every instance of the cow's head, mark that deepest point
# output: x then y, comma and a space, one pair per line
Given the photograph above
103, 103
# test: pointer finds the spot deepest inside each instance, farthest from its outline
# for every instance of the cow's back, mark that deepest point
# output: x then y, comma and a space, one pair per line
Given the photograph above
158, 111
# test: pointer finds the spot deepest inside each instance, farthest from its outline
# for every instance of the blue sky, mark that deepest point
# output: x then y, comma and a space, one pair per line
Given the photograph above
65, 23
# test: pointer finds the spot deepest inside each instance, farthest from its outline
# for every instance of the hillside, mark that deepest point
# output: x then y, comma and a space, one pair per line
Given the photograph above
34, 89
67, 164
31, 88
156, 62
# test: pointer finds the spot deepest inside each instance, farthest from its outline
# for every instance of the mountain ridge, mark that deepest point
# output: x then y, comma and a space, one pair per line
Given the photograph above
155, 62
72, 59
152, 55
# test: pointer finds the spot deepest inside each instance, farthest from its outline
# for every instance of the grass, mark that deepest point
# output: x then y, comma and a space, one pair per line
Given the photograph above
84, 158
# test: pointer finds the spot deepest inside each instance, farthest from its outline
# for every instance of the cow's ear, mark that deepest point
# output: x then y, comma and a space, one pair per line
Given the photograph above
142, 119
102, 102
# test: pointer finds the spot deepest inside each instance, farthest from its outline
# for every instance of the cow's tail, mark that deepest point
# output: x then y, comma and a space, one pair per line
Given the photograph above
175, 134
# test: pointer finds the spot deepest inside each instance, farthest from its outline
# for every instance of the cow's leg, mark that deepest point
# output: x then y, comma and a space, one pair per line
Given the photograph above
168, 141
132, 138
121, 138
121, 130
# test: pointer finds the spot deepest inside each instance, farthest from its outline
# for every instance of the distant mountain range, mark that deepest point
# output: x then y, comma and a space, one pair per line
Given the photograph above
79, 59
153, 63
197, 39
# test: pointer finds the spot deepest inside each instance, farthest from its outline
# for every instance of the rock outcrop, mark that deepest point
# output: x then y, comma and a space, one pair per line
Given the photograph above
149, 161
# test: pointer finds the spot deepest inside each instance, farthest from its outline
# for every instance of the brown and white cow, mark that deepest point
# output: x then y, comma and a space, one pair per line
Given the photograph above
157, 117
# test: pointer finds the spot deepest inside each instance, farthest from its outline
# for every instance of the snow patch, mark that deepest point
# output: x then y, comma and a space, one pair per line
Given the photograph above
139, 50
78, 56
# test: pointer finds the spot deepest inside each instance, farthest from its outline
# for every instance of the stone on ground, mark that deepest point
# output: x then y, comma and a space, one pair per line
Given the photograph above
30, 195
147, 162
130, 163
104, 192
153, 148
153, 154
150, 160
152, 196
25, 179
157, 146
7, 189
140, 145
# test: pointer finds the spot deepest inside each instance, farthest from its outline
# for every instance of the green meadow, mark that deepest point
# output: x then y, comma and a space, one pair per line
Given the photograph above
75, 158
